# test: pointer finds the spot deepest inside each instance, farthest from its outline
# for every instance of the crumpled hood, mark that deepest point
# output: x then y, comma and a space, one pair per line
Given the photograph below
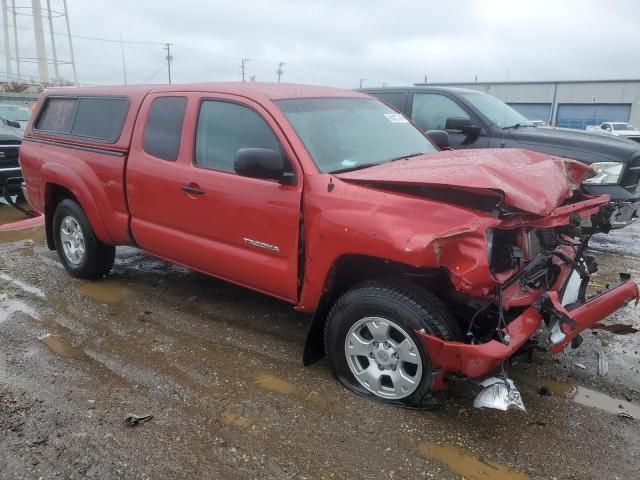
531, 182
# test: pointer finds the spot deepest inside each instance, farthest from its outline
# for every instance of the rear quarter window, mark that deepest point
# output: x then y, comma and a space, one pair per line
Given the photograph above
98, 118
164, 127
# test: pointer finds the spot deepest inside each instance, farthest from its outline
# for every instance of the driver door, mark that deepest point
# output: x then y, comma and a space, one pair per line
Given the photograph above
430, 111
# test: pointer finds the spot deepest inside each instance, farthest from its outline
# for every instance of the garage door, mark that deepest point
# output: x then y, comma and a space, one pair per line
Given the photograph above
579, 116
533, 111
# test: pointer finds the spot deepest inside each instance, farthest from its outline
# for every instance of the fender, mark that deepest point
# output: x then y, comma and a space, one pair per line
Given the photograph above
58, 174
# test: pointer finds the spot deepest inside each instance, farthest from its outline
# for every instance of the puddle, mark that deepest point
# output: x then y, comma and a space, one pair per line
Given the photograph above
26, 251
466, 464
61, 347
105, 291
9, 214
272, 383
229, 418
581, 395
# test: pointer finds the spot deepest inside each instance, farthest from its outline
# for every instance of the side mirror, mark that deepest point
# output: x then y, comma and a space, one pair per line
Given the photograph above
261, 163
462, 125
440, 138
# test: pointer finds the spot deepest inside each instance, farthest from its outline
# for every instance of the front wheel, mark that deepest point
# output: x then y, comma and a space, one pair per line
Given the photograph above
371, 342
80, 251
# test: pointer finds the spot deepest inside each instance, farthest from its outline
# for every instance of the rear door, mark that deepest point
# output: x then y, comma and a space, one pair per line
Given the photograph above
188, 205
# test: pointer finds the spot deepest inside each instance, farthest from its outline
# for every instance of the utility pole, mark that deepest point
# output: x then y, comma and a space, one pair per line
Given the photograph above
73, 57
53, 42
7, 46
243, 67
41, 52
169, 59
124, 65
279, 71
361, 81
425, 79
15, 39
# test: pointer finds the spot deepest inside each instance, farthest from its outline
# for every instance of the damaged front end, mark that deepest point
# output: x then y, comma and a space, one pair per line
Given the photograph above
539, 300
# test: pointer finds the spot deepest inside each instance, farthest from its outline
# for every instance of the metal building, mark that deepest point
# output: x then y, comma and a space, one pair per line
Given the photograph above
569, 104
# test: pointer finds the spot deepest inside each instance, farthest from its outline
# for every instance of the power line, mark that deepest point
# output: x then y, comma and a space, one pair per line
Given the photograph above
85, 37
156, 73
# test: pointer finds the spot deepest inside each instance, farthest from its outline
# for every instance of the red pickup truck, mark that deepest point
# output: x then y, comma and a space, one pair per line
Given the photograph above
415, 263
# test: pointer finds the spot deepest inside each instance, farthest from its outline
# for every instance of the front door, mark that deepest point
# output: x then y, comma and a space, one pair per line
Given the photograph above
430, 111
204, 216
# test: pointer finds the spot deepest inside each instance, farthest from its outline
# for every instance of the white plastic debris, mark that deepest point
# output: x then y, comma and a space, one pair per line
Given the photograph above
499, 393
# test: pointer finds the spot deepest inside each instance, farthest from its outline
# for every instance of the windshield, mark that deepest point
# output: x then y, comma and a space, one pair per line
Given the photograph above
621, 126
17, 114
352, 133
498, 113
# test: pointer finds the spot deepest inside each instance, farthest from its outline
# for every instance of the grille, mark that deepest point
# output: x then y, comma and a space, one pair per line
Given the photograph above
8, 155
631, 175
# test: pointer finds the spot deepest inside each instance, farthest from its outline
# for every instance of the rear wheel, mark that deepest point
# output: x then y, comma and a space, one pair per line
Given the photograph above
79, 250
371, 342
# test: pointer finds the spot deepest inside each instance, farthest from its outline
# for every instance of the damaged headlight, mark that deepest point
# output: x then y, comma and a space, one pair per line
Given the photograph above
605, 173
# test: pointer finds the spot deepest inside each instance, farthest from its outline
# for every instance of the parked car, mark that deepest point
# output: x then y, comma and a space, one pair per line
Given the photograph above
476, 120
617, 129
10, 176
18, 115
415, 263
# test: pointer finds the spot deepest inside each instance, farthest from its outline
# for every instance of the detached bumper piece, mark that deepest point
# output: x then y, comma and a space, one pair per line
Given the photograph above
565, 323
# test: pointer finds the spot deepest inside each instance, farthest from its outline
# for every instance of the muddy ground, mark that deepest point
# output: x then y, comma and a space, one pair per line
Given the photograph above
219, 368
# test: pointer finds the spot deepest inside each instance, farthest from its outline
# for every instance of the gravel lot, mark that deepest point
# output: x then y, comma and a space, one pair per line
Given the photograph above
219, 368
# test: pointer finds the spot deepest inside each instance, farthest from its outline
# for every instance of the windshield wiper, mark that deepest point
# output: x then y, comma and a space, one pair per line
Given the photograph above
355, 167
367, 165
402, 157
517, 125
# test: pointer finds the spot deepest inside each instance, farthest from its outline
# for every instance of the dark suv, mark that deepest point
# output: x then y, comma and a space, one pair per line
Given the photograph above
10, 175
476, 120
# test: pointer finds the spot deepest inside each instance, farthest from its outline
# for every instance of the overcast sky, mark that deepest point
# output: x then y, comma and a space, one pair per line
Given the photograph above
338, 42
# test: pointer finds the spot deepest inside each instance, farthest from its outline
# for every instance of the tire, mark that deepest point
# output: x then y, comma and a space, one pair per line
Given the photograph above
354, 342
80, 251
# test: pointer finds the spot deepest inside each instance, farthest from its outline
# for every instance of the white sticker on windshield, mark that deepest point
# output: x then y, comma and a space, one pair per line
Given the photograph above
396, 118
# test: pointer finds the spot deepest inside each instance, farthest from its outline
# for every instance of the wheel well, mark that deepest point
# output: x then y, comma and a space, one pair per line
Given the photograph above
351, 270
54, 194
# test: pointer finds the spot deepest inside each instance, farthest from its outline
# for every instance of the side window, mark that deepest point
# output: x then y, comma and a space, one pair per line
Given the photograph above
164, 127
397, 100
99, 118
57, 115
430, 111
224, 128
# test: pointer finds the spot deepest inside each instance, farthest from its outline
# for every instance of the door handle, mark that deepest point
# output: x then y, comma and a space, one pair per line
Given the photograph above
192, 189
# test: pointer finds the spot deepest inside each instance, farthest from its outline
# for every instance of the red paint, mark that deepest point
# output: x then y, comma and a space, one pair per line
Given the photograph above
479, 360
21, 224
529, 181
131, 197
596, 309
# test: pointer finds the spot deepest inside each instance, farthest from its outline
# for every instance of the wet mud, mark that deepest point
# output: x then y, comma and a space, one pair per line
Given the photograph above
220, 370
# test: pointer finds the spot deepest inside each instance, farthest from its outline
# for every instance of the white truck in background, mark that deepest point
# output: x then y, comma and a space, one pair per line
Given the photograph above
617, 129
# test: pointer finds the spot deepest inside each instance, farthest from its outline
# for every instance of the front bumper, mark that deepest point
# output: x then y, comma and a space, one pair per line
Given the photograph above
10, 181
480, 359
